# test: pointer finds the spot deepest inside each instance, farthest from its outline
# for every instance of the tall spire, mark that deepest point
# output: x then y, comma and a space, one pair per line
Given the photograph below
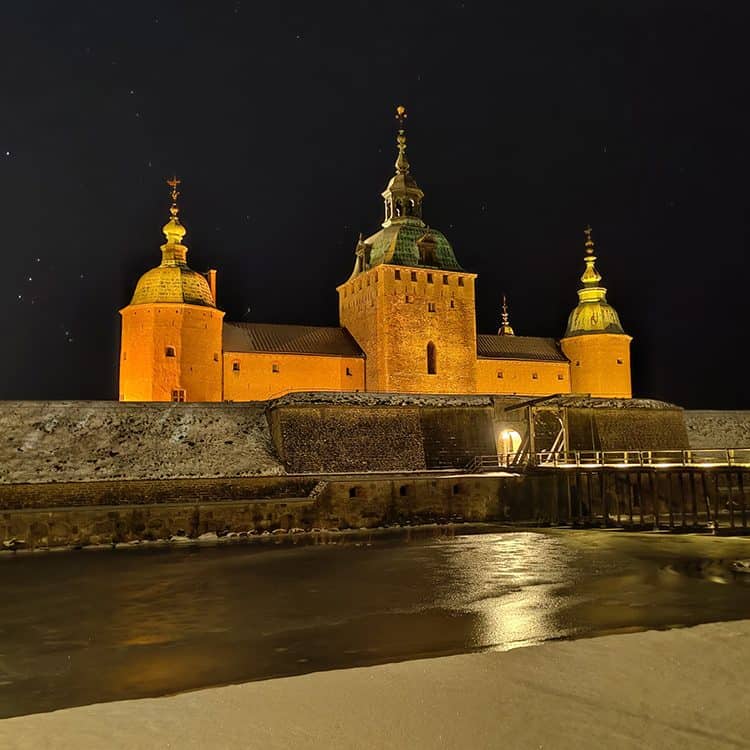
403, 198
505, 328
174, 252
591, 276
402, 163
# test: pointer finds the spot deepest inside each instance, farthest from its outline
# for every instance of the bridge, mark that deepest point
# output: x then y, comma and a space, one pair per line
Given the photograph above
674, 490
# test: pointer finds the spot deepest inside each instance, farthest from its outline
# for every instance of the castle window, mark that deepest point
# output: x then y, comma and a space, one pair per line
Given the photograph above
236, 366
348, 371
500, 374
430, 307
445, 279
460, 280
216, 356
409, 298
560, 376
619, 361
535, 376
403, 490
178, 395
353, 492
413, 275
429, 278
578, 364
275, 367
169, 351
456, 489
431, 359
453, 304
124, 356
397, 275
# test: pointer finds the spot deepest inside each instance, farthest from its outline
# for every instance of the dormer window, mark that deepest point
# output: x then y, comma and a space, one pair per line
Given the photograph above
427, 246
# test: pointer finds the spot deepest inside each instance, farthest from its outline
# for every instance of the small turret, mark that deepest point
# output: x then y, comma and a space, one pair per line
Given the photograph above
595, 342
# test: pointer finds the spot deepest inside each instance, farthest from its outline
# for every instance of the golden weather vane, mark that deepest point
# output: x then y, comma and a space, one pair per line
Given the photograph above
173, 183
401, 115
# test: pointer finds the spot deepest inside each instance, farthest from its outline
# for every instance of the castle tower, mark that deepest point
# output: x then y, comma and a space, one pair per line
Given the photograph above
408, 303
594, 342
170, 348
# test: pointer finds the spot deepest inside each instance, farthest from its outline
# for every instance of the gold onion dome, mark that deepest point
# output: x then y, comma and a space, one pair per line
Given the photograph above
173, 280
593, 314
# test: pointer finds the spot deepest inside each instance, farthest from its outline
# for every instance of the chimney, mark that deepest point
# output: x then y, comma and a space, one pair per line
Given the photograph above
212, 282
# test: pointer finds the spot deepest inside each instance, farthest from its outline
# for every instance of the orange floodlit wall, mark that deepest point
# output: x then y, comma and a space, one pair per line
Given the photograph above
416, 326
258, 376
522, 377
599, 364
170, 352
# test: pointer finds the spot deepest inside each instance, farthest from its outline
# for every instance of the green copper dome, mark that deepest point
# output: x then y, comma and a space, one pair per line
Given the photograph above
411, 244
404, 240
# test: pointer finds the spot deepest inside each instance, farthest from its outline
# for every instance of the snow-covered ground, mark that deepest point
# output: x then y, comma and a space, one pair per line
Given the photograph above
682, 689
64, 441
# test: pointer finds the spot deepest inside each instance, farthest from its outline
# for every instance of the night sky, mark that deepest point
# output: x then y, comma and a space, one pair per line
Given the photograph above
527, 120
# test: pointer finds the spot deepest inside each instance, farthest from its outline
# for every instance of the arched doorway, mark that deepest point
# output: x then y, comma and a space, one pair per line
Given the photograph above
508, 442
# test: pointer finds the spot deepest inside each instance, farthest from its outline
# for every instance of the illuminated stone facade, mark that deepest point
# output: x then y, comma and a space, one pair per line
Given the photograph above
407, 325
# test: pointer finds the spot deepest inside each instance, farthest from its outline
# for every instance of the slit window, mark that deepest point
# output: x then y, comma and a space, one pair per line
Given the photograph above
403, 490
236, 366
460, 280
431, 359
500, 374
429, 278
216, 356
397, 275
430, 307
413, 275
445, 279
349, 372
169, 351
275, 367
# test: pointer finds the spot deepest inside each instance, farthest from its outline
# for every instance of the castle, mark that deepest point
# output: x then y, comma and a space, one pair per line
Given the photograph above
407, 325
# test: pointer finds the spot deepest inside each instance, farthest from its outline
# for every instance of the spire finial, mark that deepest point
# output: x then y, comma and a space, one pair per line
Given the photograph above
505, 327
174, 194
173, 229
591, 277
589, 241
402, 163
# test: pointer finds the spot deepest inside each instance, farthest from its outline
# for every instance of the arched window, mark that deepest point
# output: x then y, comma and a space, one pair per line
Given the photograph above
431, 359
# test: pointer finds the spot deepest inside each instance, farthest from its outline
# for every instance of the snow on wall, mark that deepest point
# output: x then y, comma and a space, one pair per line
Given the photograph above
718, 429
64, 441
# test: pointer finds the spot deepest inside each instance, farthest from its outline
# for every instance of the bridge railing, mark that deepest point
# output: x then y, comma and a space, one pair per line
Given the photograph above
700, 457
664, 459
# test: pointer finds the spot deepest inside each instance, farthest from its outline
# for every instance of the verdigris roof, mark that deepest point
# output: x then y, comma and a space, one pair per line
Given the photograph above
397, 245
289, 339
491, 346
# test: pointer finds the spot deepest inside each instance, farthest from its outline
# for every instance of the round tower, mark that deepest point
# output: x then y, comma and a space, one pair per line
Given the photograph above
594, 342
170, 349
